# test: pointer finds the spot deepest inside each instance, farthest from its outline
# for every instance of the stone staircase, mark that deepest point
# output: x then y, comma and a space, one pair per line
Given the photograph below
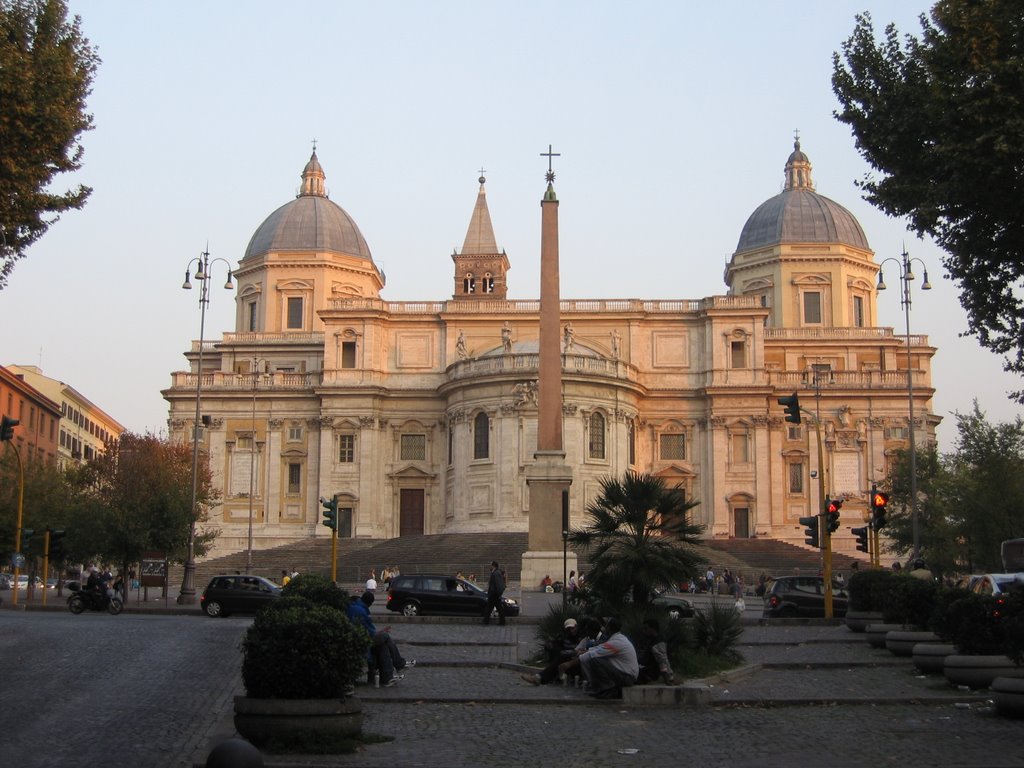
777, 558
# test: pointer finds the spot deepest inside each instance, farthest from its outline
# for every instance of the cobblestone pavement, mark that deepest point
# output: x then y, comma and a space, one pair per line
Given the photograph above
465, 709
99, 690
157, 691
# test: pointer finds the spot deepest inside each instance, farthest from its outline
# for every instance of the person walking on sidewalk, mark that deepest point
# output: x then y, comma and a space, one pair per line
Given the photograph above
495, 589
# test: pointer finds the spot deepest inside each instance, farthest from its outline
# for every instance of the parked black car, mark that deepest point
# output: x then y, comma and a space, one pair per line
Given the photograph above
788, 597
433, 593
225, 595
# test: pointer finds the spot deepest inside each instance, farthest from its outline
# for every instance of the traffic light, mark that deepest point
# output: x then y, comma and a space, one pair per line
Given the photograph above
832, 507
792, 404
330, 512
57, 545
879, 502
862, 538
7, 425
26, 538
811, 525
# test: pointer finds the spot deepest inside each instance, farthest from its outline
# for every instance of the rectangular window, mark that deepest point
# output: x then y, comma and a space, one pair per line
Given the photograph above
858, 311
739, 354
632, 444
796, 477
740, 454
812, 307
896, 433
481, 436
294, 478
414, 448
294, 312
672, 447
451, 446
348, 354
295, 433
346, 449
250, 310
795, 433
245, 443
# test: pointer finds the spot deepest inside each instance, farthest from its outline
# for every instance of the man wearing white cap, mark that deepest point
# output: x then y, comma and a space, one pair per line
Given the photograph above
558, 650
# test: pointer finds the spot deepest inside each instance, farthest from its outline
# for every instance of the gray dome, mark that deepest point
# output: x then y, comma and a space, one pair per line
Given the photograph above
311, 222
800, 215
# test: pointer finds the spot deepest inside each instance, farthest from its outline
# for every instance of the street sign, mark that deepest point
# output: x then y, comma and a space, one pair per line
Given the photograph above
154, 573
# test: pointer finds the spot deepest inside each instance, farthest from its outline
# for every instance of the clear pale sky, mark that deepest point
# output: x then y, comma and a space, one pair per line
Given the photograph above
673, 119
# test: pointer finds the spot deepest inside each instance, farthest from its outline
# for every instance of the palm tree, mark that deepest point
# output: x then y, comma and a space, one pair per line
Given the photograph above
639, 538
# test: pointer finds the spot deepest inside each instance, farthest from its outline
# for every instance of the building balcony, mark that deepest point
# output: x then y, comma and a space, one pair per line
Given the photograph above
532, 306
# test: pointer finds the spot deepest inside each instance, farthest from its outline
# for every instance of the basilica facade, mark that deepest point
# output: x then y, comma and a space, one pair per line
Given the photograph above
421, 417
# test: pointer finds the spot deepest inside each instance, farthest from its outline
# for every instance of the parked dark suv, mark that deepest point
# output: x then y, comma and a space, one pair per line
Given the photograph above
788, 597
433, 593
225, 595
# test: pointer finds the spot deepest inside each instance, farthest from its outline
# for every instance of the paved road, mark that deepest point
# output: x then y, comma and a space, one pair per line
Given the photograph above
99, 690
156, 691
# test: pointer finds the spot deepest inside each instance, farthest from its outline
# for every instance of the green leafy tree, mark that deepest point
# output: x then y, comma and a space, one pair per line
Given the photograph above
46, 72
969, 501
137, 497
48, 497
639, 539
941, 119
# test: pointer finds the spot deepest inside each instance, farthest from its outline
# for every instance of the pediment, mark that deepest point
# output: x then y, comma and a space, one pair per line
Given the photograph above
411, 471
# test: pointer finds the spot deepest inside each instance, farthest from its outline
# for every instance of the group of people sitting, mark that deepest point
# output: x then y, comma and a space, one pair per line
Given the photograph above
603, 657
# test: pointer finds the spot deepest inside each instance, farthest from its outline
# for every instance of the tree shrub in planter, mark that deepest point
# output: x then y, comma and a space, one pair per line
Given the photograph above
300, 659
298, 649
908, 600
974, 624
317, 589
867, 590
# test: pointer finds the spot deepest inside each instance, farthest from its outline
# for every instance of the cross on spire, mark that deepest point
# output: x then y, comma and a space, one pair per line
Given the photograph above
314, 145
796, 136
550, 176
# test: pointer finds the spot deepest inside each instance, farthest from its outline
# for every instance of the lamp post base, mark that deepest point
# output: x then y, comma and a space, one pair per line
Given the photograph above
188, 585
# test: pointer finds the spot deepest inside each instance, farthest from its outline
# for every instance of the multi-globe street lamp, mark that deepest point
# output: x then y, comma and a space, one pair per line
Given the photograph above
906, 275
203, 262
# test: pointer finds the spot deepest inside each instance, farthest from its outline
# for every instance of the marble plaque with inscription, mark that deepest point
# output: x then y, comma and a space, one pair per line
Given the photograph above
846, 474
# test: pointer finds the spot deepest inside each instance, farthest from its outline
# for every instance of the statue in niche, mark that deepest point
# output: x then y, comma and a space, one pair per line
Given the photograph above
569, 335
616, 344
845, 416
460, 346
862, 429
506, 337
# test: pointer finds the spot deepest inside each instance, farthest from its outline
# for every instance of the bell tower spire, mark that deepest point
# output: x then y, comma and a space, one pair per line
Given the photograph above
480, 269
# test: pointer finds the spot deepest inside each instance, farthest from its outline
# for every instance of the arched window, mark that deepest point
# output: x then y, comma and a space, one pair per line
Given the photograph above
469, 283
597, 435
488, 283
481, 436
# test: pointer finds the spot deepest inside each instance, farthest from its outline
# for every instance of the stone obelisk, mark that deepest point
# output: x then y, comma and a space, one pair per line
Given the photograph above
549, 476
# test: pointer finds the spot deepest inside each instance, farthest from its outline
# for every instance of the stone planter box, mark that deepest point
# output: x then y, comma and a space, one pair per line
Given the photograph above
930, 657
979, 671
263, 720
858, 621
875, 633
1008, 695
901, 642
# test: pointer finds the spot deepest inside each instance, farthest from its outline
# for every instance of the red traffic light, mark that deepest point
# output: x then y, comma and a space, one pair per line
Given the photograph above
834, 505
879, 499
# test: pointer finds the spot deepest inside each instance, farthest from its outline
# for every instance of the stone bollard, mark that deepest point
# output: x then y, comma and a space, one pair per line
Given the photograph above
234, 753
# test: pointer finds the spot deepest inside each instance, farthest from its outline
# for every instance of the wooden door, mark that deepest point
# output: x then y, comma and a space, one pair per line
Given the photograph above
741, 519
410, 512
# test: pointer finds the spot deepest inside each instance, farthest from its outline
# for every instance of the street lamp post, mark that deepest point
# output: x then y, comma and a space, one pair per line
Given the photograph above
906, 275
203, 261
